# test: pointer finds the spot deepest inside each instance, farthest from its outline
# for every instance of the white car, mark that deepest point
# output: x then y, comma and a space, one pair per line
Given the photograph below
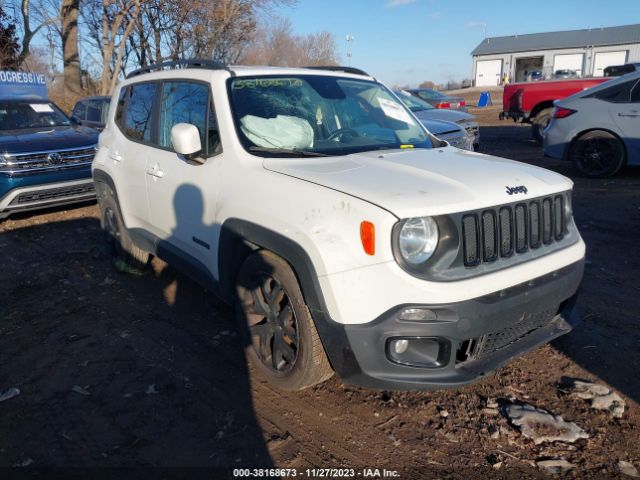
598, 129
350, 239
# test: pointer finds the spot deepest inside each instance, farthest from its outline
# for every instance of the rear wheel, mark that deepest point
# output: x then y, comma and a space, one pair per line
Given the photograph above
283, 344
597, 154
127, 257
540, 122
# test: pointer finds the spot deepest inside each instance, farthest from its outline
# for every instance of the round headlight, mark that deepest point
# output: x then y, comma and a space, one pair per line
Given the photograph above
418, 240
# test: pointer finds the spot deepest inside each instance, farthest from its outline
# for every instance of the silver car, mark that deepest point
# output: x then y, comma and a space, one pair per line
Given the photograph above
453, 134
598, 129
426, 112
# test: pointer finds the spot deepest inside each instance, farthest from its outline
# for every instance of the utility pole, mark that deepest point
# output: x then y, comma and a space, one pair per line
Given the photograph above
350, 38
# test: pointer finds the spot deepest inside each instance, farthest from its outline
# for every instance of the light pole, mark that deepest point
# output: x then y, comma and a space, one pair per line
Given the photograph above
350, 38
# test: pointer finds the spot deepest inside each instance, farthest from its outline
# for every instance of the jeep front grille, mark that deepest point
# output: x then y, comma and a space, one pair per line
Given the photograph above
503, 231
29, 162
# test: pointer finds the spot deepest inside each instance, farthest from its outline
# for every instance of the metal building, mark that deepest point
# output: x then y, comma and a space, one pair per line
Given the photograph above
588, 52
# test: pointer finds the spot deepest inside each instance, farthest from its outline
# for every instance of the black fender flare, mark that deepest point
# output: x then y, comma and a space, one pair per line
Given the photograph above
240, 238
99, 176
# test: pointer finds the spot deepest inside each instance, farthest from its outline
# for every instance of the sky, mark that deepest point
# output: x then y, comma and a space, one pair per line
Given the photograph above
405, 42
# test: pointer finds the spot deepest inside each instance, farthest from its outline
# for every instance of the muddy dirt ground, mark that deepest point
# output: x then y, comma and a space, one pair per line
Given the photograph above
147, 371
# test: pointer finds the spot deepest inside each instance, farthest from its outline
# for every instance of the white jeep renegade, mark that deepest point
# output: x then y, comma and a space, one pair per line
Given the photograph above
350, 239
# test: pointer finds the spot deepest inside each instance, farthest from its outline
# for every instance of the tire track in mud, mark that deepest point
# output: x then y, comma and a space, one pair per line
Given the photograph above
316, 436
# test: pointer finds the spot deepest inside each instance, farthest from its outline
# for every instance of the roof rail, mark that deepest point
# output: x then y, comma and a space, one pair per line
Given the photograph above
337, 68
175, 65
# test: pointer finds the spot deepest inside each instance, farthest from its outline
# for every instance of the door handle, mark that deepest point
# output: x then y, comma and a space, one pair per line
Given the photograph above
629, 114
116, 157
155, 172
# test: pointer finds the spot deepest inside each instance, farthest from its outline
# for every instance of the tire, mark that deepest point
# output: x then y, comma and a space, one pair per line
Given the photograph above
281, 340
540, 122
597, 154
127, 257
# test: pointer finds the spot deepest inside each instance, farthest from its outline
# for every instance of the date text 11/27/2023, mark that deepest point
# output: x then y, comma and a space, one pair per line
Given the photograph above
315, 473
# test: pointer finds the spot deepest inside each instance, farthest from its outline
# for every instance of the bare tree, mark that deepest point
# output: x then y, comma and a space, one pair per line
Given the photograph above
28, 30
71, 55
275, 44
318, 49
427, 84
110, 23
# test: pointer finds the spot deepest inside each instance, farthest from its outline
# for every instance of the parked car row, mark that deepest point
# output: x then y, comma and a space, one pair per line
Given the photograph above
45, 155
598, 129
592, 122
464, 125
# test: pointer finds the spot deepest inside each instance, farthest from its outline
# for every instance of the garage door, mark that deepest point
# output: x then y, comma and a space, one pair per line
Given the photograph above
488, 73
606, 59
569, 61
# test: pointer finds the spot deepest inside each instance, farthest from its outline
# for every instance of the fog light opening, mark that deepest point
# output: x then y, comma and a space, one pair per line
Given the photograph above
422, 352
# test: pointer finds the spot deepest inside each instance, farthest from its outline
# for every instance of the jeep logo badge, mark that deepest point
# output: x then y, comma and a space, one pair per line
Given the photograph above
518, 189
54, 158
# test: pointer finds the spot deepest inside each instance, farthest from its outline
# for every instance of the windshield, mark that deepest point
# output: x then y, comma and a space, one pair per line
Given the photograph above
414, 104
320, 115
21, 115
426, 94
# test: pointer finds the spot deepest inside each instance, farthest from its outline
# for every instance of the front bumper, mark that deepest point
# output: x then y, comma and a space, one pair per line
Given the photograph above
473, 337
34, 192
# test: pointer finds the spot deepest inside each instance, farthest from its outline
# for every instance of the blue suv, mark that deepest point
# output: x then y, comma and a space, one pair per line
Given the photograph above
45, 158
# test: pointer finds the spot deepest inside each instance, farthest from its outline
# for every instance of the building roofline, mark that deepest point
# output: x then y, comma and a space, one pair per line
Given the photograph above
597, 37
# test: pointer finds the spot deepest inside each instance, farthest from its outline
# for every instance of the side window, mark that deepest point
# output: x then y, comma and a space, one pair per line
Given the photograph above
79, 111
138, 118
635, 93
620, 93
94, 113
183, 102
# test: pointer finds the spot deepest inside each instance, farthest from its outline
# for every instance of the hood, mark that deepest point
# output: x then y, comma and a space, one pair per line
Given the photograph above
438, 127
411, 183
444, 114
56, 138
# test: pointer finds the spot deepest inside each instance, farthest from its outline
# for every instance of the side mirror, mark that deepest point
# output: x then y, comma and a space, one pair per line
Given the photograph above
186, 140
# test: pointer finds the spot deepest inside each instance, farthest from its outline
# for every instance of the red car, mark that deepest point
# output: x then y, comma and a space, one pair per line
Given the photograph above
533, 102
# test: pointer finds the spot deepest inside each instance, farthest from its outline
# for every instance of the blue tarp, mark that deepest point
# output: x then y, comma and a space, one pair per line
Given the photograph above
27, 85
484, 100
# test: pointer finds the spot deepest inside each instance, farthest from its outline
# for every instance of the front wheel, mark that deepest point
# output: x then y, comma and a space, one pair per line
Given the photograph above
597, 154
283, 344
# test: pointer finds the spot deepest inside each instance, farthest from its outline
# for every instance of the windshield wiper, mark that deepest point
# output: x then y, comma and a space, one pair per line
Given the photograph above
286, 151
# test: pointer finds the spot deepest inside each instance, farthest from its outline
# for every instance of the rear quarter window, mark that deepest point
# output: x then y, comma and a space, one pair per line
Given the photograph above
620, 93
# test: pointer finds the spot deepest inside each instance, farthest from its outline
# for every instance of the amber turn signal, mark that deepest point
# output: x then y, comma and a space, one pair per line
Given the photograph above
368, 237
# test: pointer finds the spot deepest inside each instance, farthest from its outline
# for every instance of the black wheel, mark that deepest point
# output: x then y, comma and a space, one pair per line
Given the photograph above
597, 154
540, 122
283, 344
127, 257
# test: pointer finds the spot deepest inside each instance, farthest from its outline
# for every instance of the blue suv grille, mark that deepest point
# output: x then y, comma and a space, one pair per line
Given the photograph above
23, 163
